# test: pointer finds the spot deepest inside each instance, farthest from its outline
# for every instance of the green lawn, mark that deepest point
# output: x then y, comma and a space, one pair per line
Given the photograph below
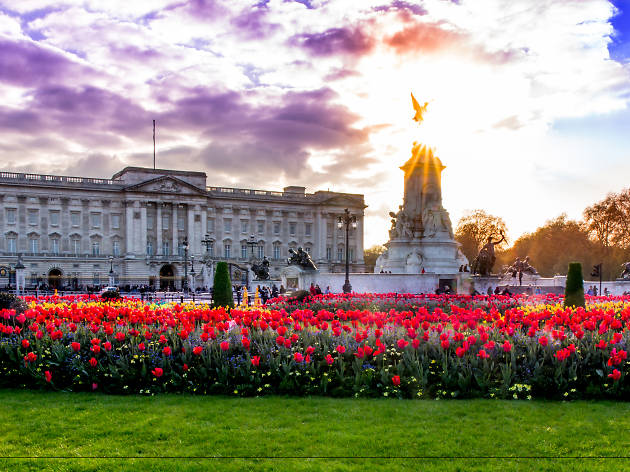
179, 432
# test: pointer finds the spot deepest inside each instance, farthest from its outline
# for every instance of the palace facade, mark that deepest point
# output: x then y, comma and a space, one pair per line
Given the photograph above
78, 231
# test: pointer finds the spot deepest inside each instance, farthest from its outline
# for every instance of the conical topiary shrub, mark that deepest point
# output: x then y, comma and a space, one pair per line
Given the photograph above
574, 289
222, 292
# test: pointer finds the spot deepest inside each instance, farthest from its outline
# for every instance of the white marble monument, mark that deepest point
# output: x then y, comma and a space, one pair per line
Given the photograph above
421, 237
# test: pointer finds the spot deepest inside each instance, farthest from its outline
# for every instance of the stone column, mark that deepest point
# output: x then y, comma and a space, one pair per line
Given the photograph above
359, 239
158, 228
129, 228
320, 252
190, 230
204, 228
143, 229
174, 222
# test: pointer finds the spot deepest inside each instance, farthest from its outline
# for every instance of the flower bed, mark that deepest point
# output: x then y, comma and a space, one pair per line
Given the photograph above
402, 346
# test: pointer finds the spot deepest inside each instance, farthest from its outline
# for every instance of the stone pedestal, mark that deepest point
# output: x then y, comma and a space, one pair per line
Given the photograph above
412, 256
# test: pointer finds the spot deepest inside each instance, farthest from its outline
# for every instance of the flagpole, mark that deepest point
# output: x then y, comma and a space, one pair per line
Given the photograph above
153, 144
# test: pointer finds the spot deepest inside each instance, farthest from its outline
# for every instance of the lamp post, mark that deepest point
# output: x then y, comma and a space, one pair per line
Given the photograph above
111, 271
185, 246
192, 273
207, 242
346, 220
251, 242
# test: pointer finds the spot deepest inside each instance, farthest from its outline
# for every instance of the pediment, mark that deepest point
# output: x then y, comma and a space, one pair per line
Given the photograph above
167, 185
343, 201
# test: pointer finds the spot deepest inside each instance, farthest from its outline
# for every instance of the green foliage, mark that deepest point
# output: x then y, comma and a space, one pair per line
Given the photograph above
299, 297
370, 255
574, 289
222, 294
9, 301
110, 295
473, 230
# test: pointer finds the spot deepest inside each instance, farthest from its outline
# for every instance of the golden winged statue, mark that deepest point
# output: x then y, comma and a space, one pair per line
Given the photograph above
420, 110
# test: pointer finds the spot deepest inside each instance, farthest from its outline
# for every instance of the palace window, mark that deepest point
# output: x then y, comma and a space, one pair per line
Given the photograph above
227, 226
166, 221
210, 225
75, 218
260, 227
11, 216
12, 244
292, 227
328, 253
75, 244
96, 248
261, 252
54, 218
33, 216
149, 247
244, 226
95, 220
54, 245
276, 251
149, 221
165, 248
116, 248
34, 245
308, 229
276, 227
181, 222
226, 251
115, 221
339, 253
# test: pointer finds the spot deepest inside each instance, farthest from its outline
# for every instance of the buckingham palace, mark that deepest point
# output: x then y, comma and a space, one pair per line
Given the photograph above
76, 232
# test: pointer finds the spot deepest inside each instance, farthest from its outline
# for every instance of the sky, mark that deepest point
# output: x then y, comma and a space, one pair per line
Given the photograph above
528, 99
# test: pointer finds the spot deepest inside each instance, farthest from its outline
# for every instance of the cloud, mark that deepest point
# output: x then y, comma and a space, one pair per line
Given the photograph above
353, 41
28, 64
403, 7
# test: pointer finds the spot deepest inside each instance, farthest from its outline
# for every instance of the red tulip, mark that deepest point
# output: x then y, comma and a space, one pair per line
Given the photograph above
396, 380
48, 376
225, 346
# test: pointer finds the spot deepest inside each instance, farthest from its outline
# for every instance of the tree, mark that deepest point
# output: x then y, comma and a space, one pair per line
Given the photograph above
222, 291
473, 230
552, 246
574, 289
370, 255
608, 221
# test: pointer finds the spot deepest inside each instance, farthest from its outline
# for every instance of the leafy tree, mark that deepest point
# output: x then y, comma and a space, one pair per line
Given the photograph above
370, 255
222, 291
608, 221
574, 289
473, 230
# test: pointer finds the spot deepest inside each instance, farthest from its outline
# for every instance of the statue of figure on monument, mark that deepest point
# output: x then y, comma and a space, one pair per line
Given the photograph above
625, 274
486, 258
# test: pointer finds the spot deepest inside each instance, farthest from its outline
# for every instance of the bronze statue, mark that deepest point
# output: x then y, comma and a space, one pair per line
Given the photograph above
261, 270
486, 258
520, 267
626, 271
301, 258
420, 110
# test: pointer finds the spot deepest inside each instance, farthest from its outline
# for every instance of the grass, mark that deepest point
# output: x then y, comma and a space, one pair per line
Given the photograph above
100, 432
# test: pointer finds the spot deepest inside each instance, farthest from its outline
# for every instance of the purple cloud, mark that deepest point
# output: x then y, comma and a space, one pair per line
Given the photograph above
402, 7
346, 40
251, 23
24, 63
